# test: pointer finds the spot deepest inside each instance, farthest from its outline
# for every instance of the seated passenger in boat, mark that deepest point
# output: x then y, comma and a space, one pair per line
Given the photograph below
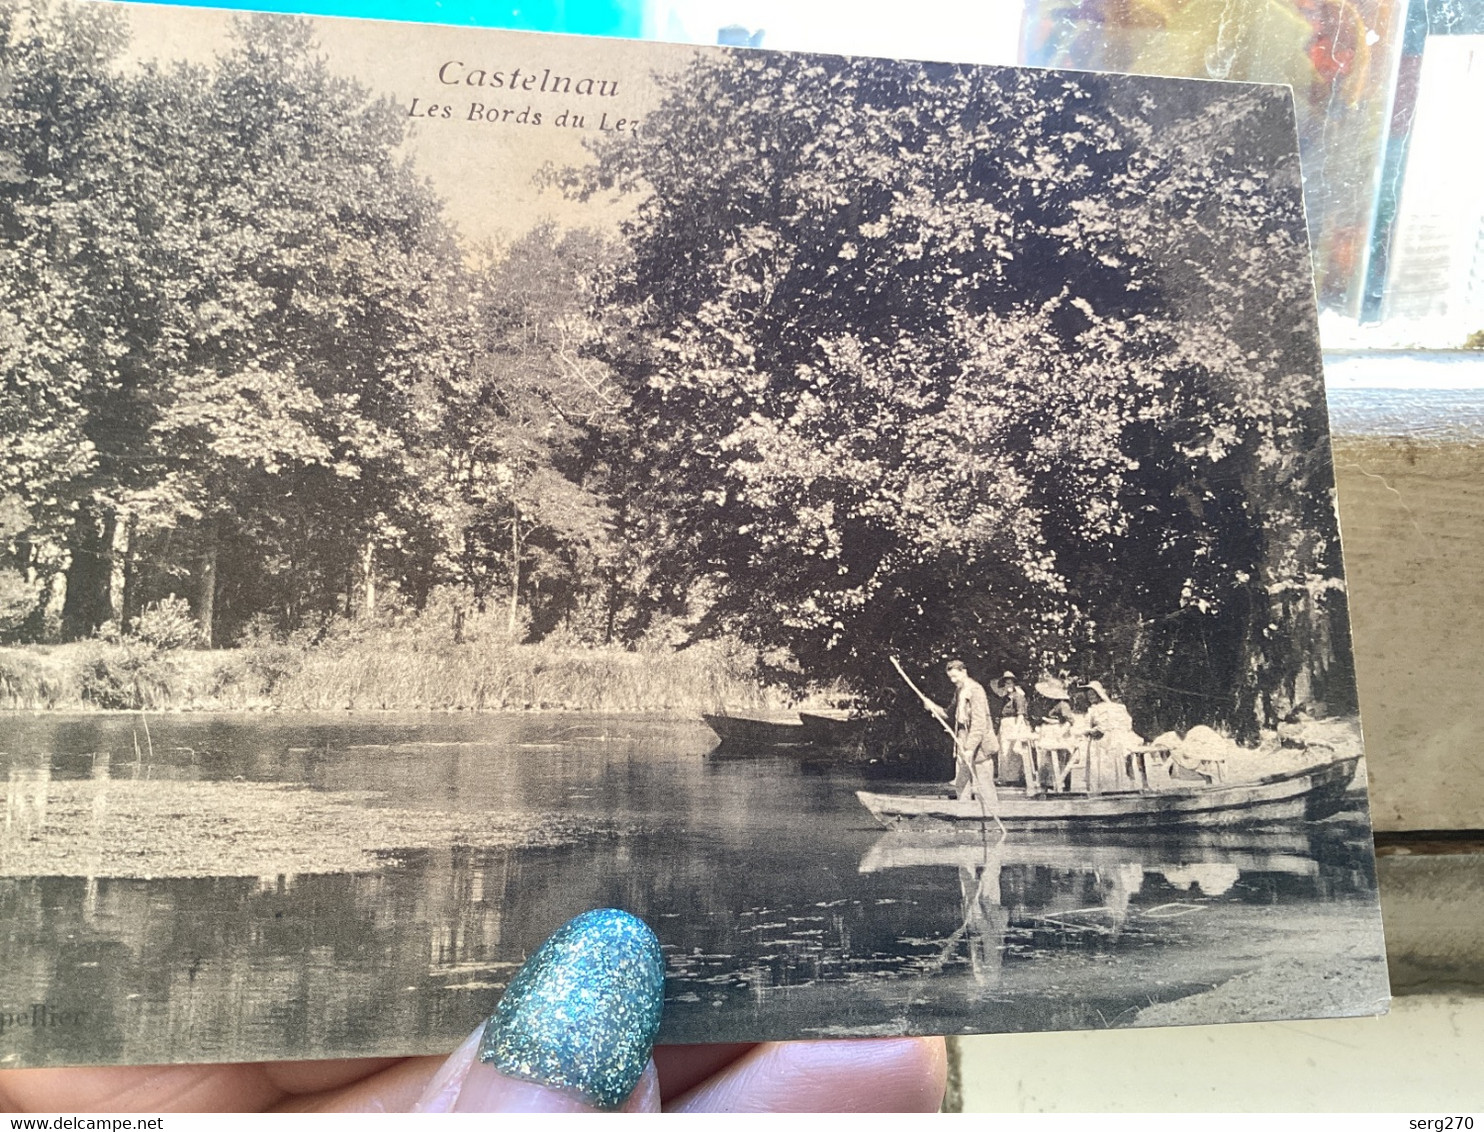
1202, 755
1015, 728
1111, 737
1056, 728
1053, 710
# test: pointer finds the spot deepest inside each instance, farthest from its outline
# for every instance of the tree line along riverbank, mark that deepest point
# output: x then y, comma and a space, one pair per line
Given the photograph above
969, 402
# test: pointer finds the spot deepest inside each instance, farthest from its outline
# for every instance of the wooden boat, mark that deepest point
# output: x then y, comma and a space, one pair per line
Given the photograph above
833, 730
824, 733
744, 731
943, 845
1309, 794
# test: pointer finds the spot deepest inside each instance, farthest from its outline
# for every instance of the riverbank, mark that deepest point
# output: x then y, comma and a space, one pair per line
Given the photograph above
1323, 984
380, 674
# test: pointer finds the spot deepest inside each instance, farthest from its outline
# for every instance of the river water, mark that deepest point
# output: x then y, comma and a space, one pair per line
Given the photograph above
783, 909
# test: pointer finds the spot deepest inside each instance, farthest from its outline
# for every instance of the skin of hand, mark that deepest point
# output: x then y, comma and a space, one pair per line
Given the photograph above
855, 1075
573, 1031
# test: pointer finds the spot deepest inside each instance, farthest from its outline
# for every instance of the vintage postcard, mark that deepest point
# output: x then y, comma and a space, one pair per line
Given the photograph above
871, 519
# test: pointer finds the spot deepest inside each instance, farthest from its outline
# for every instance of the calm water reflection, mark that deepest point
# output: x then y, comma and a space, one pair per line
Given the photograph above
783, 909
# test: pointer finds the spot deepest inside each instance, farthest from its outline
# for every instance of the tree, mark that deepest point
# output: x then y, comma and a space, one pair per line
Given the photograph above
918, 362
307, 259
68, 205
224, 292
1233, 543
516, 416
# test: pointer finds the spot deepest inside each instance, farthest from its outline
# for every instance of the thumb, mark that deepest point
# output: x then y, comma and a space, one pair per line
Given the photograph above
573, 1032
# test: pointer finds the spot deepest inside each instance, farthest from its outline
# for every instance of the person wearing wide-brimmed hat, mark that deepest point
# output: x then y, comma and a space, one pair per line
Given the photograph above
1015, 725
1054, 723
1055, 707
1111, 738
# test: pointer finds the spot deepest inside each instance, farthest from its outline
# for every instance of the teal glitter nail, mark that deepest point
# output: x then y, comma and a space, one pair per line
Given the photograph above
583, 1011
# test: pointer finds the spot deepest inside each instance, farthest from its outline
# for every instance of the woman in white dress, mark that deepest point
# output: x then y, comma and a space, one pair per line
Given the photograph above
1015, 728
1111, 737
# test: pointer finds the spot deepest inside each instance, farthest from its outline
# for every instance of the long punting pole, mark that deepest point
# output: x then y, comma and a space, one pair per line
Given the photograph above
958, 754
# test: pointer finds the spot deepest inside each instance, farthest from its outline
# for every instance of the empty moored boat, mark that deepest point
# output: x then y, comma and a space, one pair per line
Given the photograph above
745, 731
834, 730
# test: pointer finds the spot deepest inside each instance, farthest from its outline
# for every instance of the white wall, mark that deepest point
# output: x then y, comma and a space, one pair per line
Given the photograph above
1426, 1056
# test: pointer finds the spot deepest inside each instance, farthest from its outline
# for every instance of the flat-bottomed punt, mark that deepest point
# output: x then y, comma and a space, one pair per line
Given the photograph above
826, 732
745, 731
1309, 794
964, 847
833, 730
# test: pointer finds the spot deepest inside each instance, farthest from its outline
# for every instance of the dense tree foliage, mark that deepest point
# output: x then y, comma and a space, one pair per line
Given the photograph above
890, 358
991, 362
246, 361
514, 416
62, 364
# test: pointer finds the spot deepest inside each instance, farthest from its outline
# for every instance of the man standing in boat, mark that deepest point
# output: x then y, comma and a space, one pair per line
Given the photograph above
973, 733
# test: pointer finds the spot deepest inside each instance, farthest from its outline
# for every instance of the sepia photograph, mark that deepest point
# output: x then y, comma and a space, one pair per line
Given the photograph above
872, 520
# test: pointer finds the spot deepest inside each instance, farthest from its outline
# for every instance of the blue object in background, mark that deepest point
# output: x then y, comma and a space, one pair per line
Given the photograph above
580, 17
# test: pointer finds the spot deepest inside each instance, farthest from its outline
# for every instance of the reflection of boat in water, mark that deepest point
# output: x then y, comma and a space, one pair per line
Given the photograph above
944, 846
1310, 794
1077, 892
1022, 895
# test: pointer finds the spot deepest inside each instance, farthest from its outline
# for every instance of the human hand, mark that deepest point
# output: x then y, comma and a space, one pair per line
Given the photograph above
864, 1075
572, 1034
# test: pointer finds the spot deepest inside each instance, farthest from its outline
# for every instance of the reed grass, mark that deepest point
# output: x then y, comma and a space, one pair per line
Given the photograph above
382, 673
517, 678
26, 684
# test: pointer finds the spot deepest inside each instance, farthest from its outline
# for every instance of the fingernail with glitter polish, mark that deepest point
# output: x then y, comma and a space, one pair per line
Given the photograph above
574, 1030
